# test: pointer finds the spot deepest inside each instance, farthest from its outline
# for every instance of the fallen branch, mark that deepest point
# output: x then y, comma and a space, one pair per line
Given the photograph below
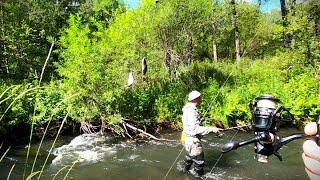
124, 126
86, 127
145, 133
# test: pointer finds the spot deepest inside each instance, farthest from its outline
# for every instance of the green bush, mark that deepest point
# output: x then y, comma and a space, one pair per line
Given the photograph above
28, 103
284, 76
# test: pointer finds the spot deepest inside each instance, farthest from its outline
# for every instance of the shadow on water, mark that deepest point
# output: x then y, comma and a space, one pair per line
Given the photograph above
107, 159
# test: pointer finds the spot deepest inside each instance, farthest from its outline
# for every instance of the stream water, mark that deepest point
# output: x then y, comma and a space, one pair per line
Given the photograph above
94, 157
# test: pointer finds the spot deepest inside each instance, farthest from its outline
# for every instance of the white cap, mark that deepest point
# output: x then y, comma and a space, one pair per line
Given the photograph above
193, 95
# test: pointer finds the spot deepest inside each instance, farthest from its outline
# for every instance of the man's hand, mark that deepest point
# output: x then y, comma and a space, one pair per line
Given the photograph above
311, 153
216, 130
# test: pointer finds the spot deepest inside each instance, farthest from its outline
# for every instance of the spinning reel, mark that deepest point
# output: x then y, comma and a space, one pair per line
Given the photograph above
267, 116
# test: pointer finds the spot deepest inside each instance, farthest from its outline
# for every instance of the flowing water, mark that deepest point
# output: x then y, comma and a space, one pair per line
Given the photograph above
94, 157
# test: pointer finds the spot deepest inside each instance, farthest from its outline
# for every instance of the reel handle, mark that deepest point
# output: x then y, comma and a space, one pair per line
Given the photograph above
235, 144
290, 138
263, 137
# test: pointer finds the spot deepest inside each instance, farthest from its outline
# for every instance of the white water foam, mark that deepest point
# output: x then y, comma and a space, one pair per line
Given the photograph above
86, 148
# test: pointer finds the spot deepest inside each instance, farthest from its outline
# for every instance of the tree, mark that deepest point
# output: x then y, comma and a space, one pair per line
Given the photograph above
89, 65
236, 30
214, 33
4, 68
26, 27
284, 13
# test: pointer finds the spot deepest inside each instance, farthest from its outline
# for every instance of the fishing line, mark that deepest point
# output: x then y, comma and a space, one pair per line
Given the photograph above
215, 164
173, 163
204, 114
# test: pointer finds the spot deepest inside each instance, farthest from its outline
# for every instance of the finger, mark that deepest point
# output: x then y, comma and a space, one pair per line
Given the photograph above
312, 150
311, 175
310, 129
220, 134
219, 130
312, 166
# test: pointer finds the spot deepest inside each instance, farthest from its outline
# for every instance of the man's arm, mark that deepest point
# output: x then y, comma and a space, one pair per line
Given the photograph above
198, 129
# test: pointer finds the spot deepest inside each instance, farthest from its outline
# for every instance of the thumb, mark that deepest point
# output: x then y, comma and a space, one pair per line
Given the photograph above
310, 129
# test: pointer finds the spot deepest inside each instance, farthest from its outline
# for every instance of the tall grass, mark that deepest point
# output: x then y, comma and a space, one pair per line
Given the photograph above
15, 99
45, 162
4, 154
22, 94
34, 109
47, 127
32, 175
10, 171
55, 175
65, 177
5, 91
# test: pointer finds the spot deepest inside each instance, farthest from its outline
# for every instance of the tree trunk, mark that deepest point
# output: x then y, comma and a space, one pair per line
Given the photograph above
214, 42
170, 62
284, 14
189, 50
316, 29
308, 51
214, 45
237, 35
236, 30
293, 39
3, 58
1, 36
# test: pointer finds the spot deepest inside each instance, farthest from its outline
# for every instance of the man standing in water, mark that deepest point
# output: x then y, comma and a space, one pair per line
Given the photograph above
193, 132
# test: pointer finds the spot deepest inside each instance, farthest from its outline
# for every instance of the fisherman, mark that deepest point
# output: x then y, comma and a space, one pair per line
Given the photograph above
193, 131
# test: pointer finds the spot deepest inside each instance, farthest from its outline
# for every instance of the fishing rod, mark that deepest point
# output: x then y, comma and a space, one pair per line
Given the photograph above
277, 143
236, 127
220, 134
267, 116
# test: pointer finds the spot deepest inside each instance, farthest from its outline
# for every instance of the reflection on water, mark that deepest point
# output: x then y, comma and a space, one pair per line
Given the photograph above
99, 157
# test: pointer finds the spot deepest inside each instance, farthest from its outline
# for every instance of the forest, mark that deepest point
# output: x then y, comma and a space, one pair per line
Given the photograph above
64, 64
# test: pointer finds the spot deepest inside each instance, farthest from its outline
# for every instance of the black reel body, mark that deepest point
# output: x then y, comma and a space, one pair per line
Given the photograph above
265, 112
266, 120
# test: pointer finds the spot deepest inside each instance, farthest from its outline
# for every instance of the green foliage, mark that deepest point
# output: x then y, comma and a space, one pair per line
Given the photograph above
304, 95
20, 106
169, 103
24, 104
283, 76
49, 104
100, 42
137, 104
25, 26
84, 72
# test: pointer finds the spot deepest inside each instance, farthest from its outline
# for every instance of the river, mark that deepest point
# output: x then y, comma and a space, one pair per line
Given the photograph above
96, 158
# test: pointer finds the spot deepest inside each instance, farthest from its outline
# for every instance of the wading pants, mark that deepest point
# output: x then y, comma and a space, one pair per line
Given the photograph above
194, 156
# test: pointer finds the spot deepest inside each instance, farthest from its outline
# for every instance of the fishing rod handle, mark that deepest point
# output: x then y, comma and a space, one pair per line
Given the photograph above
286, 140
235, 144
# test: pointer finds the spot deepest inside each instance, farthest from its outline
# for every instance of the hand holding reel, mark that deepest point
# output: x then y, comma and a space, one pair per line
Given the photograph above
266, 122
